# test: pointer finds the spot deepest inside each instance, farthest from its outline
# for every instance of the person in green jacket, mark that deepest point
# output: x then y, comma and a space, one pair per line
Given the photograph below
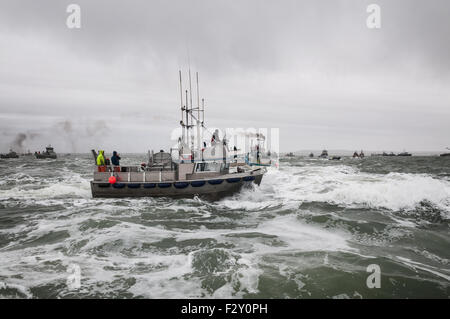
101, 158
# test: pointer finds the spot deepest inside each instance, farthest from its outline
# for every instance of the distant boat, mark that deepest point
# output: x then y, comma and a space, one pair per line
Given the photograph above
404, 154
48, 153
445, 154
11, 154
324, 154
311, 154
386, 154
290, 154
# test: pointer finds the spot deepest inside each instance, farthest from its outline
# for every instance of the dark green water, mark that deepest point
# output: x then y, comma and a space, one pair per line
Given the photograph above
309, 231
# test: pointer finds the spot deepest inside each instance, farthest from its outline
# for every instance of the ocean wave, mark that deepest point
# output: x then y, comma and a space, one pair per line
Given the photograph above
349, 187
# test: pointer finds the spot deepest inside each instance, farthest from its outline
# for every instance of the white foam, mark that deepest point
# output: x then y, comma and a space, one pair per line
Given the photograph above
73, 185
23, 290
417, 265
347, 186
303, 237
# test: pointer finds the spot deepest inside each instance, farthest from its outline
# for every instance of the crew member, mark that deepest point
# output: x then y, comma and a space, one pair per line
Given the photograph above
115, 159
101, 161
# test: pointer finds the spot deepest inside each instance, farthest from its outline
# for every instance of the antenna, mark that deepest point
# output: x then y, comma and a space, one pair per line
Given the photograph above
190, 91
198, 115
203, 111
198, 98
187, 120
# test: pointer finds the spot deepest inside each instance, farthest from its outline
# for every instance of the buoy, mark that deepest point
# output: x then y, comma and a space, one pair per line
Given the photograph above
112, 180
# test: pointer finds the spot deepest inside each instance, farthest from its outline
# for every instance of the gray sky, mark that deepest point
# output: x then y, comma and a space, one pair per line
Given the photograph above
311, 68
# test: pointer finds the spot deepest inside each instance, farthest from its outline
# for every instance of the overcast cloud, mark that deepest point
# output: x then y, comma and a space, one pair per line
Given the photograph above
311, 68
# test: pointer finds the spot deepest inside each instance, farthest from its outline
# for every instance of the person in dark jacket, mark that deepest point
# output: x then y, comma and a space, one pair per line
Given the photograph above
115, 159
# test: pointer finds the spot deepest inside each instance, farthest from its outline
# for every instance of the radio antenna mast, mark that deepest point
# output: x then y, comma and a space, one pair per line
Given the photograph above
190, 97
198, 117
187, 120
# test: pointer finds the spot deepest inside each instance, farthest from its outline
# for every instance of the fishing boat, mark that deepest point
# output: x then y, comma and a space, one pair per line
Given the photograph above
11, 154
445, 154
49, 153
189, 169
386, 154
324, 154
290, 154
360, 155
404, 154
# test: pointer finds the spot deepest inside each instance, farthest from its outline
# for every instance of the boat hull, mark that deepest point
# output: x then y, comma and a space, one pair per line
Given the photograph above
40, 156
209, 188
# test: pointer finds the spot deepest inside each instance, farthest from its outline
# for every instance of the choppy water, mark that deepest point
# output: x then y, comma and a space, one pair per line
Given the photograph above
309, 231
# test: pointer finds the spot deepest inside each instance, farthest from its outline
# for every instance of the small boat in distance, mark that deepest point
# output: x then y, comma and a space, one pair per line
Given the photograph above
386, 154
360, 155
290, 154
11, 154
404, 154
445, 154
311, 155
324, 154
48, 153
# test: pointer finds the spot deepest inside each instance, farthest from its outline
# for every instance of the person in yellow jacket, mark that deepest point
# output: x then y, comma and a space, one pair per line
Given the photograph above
101, 161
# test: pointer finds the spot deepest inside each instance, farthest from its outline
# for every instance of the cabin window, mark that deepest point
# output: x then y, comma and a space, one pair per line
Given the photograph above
209, 167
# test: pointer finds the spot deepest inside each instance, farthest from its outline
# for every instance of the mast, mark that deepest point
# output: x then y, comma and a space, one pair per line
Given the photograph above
199, 147
190, 98
183, 127
187, 120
